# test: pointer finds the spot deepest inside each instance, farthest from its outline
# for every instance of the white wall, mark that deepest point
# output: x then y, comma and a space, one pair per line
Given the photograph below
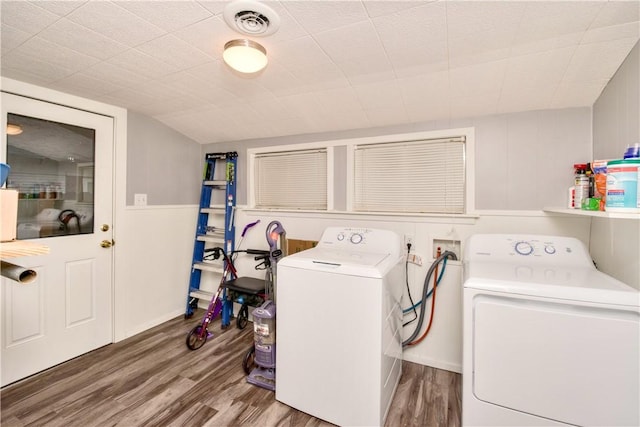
154, 251
615, 248
525, 160
616, 113
161, 163
615, 243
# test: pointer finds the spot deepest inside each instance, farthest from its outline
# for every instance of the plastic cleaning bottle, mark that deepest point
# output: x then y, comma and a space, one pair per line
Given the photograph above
581, 184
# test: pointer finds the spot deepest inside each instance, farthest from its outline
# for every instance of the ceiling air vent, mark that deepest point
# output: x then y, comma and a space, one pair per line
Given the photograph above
251, 18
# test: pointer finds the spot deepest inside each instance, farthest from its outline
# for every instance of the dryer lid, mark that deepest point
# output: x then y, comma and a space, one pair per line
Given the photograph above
547, 281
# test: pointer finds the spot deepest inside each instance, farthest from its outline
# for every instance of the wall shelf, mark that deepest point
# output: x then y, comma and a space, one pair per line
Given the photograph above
598, 214
18, 248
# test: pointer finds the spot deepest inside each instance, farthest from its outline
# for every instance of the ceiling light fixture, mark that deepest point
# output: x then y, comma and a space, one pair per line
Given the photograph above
13, 129
245, 56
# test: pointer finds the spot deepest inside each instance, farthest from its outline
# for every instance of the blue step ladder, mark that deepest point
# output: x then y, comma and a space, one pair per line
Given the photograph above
215, 228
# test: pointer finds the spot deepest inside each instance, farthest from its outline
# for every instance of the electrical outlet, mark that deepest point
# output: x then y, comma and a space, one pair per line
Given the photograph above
446, 245
140, 200
408, 239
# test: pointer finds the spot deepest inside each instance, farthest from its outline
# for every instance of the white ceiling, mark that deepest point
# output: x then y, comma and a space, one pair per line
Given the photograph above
333, 65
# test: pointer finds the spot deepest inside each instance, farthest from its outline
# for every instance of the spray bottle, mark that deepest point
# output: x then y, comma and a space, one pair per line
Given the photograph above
581, 184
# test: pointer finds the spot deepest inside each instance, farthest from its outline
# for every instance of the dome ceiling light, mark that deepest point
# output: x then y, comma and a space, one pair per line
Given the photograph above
245, 56
13, 129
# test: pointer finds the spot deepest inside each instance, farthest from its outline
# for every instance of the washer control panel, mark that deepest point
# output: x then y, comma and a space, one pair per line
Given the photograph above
361, 240
355, 236
532, 247
527, 249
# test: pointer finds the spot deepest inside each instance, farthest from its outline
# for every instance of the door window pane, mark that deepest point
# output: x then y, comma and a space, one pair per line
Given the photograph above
52, 169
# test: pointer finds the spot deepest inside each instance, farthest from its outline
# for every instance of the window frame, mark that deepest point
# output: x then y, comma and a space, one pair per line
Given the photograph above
251, 163
410, 176
468, 160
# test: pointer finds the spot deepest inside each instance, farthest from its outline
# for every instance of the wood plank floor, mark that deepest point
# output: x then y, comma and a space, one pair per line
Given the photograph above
152, 379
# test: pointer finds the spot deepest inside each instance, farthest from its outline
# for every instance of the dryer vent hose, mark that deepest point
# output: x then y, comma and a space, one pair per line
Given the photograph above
425, 294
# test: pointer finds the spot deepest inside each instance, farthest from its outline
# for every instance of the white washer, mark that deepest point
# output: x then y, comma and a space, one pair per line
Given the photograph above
339, 326
548, 339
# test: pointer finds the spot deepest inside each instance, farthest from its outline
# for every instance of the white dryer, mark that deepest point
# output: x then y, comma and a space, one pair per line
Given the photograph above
339, 326
548, 339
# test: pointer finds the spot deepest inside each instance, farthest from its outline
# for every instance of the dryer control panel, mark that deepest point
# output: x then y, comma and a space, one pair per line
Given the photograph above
527, 249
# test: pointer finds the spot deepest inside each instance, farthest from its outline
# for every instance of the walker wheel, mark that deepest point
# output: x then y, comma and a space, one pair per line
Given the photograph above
196, 338
243, 317
248, 361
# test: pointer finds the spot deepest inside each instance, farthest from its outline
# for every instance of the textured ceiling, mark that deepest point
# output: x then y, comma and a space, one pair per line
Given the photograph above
333, 65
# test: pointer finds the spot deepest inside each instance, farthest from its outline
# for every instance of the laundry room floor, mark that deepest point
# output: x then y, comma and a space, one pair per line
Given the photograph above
152, 379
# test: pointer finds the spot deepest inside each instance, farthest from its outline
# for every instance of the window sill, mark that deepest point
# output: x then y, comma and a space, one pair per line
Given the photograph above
399, 216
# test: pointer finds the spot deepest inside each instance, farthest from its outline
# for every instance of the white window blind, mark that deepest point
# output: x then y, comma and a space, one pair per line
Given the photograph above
426, 176
291, 180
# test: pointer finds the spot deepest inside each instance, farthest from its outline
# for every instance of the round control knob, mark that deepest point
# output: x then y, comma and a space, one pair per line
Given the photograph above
524, 248
550, 249
356, 238
340, 237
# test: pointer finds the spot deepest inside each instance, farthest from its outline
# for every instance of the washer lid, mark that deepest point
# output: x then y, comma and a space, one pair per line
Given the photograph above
338, 261
547, 281
341, 257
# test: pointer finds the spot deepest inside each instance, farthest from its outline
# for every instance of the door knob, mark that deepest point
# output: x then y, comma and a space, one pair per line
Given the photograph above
105, 227
106, 243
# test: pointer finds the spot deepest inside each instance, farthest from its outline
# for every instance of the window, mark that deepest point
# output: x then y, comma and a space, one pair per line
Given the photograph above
52, 169
291, 179
418, 176
427, 172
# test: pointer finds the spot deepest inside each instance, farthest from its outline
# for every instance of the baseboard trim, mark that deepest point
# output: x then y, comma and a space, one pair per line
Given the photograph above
155, 322
434, 363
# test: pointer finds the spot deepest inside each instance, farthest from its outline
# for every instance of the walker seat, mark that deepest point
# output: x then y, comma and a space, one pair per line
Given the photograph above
247, 291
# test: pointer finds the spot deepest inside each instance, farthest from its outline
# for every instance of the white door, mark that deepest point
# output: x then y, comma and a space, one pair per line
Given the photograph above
62, 166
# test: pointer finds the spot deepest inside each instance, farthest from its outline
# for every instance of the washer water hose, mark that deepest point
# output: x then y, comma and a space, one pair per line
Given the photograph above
419, 303
433, 304
425, 294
